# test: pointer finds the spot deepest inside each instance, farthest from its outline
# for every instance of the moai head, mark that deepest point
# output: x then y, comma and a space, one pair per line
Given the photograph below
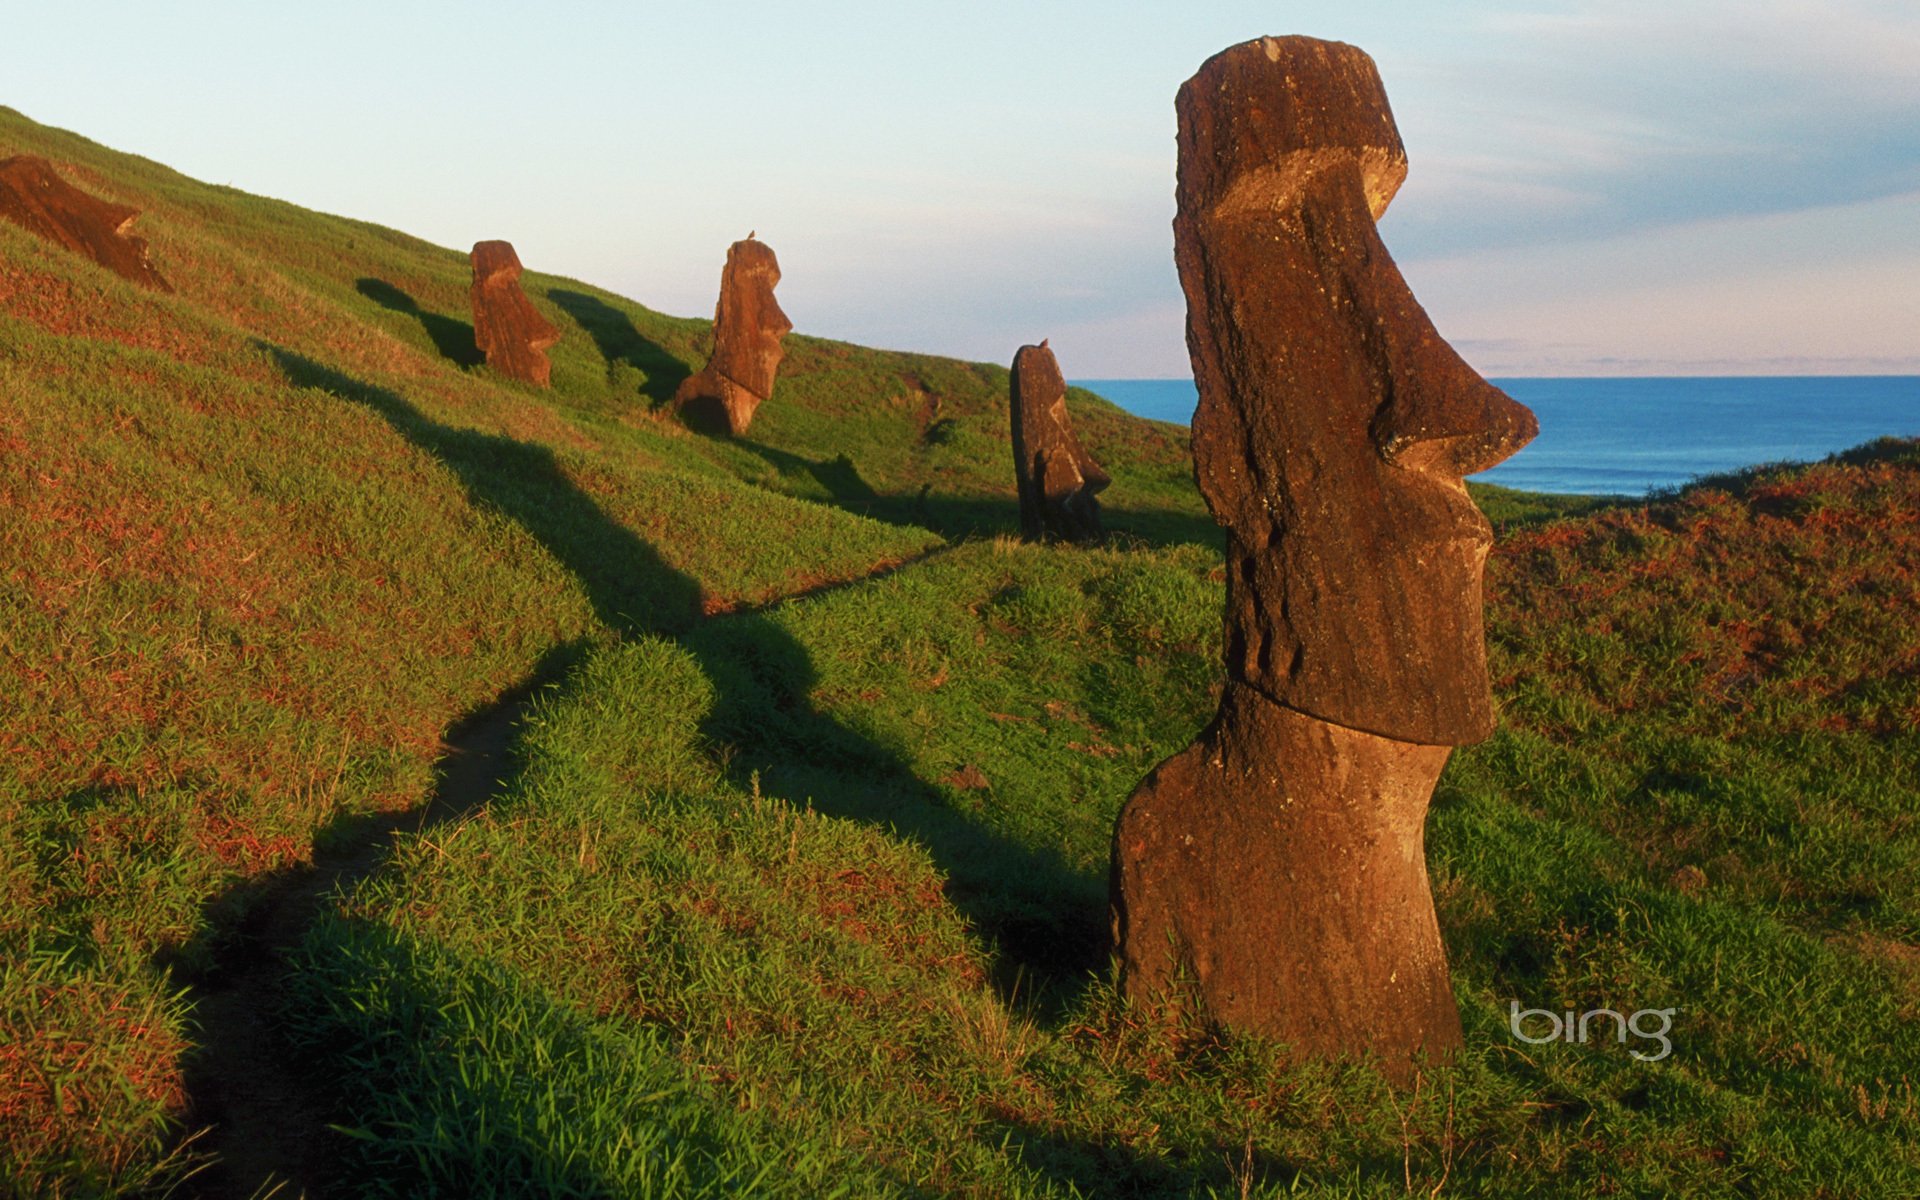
34, 196
747, 328
1057, 479
1335, 424
748, 323
495, 264
506, 326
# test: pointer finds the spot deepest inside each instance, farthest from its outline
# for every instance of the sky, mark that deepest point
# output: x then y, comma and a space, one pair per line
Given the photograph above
1596, 187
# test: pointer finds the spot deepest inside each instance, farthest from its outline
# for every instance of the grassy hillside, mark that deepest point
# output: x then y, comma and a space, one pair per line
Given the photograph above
796, 881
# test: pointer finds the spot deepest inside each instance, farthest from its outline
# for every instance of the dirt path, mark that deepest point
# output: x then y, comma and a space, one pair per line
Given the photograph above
261, 1116
264, 1118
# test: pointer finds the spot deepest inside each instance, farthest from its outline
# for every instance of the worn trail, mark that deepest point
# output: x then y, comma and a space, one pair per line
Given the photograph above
264, 1118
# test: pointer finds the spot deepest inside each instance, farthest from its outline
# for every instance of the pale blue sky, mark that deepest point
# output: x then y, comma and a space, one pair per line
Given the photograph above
1597, 186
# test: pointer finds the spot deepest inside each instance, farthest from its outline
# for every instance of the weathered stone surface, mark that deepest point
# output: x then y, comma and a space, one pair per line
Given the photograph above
1334, 422
1057, 479
506, 327
33, 195
1279, 861
747, 328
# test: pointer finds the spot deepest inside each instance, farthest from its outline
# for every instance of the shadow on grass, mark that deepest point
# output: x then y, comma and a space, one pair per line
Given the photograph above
839, 482
956, 517
619, 342
408, 1012
1112, 1168
1164, 527
632, 589
551, 1109
1047, 919
451, 337
838, 477
269, 1119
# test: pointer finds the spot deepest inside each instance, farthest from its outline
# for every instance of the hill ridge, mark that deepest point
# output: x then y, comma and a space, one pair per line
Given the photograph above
798, 883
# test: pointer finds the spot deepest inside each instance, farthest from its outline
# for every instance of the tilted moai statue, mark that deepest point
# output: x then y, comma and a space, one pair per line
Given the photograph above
35, 197
747, 328
1057, 479
506, 327
1275, 870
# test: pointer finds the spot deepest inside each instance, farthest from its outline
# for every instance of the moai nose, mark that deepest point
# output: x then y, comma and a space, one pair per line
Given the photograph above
1440, 416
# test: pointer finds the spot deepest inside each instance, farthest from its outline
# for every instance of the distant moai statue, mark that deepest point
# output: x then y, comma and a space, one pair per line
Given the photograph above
747, 328
506, 327
1057, 479
1274, 872
35, 197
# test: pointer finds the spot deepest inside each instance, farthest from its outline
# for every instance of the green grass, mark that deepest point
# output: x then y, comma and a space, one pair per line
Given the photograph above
863, 891
799, 884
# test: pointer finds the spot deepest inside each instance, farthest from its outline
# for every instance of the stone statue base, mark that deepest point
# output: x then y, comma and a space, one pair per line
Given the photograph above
1274, 873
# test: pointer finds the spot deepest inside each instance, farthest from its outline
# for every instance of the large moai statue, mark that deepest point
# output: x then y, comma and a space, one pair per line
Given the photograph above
1057, 479
747, 328
33, 195
1274, 872
506, 327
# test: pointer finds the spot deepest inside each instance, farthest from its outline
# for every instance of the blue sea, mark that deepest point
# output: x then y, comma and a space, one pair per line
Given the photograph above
1632, 436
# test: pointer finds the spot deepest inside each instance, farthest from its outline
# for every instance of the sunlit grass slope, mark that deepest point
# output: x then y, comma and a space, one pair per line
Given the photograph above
830, 917
798, 886
265, 538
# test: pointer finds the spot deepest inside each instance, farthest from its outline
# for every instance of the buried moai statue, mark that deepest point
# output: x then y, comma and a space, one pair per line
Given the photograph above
506, 327
33, 195
1274, 872
747, 328
1057, 479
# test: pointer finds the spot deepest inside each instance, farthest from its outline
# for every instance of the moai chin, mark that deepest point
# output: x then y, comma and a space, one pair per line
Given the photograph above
1057, 479
1274, 872
747, 328
506, 327
35, 197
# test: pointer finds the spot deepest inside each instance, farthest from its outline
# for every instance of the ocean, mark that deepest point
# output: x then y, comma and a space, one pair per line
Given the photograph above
1633, 436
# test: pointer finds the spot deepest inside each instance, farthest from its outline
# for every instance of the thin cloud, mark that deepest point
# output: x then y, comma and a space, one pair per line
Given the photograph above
1832, 291
1861, 50
1595, 119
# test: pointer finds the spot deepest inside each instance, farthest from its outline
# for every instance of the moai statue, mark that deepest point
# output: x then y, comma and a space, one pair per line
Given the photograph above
33, 195
1058, 480
1274, 871
506, 327
747, 328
